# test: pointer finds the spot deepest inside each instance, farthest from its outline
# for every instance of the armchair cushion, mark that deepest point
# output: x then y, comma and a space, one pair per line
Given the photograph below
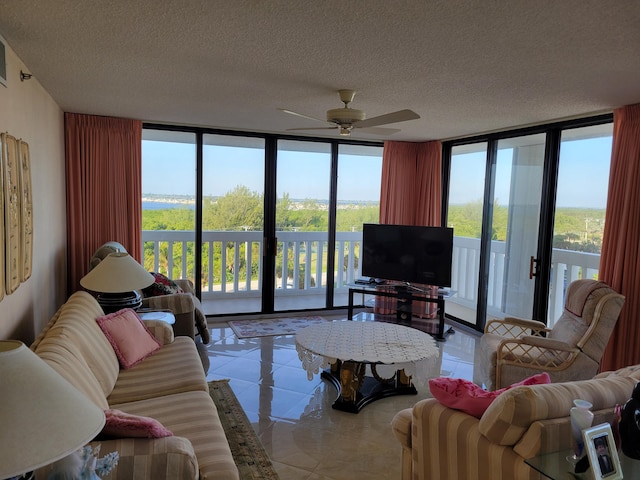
131, 340
163, 285
470, 398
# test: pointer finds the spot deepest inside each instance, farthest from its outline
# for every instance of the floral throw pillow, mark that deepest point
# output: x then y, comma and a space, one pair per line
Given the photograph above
162, 286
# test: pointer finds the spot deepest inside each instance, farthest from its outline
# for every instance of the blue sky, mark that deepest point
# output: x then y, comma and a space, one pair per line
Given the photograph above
582, 177
169, 168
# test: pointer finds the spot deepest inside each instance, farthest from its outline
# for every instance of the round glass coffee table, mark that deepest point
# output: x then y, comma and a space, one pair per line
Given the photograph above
345, 348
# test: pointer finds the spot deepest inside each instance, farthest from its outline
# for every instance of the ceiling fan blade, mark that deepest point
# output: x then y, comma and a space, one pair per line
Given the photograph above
290, 112
379, 131
395, 117
312, 128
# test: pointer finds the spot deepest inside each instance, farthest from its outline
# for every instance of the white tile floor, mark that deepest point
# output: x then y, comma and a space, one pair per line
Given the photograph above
303, 435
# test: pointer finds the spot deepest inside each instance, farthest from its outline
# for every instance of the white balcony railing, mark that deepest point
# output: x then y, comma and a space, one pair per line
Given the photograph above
306, 254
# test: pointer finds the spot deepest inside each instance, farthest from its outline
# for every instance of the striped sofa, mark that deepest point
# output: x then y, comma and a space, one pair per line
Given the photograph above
169, 386
445, 444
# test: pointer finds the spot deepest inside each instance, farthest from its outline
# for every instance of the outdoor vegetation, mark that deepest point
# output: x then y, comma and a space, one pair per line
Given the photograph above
241, 210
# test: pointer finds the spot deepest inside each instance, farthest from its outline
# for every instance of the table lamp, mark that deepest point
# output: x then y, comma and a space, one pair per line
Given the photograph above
43, 418
115, 279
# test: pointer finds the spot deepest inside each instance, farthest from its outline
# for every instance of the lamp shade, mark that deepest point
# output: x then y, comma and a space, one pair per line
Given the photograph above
117, 273
43, 418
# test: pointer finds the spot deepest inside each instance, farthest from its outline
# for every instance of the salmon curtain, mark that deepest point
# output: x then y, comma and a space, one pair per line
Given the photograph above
620, 257
411, 194
411, 190
104, 184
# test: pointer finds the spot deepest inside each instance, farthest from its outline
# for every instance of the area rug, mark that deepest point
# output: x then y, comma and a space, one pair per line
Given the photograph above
249, 454
267, 327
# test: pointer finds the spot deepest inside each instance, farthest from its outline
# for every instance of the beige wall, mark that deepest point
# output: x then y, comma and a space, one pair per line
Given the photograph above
28, 112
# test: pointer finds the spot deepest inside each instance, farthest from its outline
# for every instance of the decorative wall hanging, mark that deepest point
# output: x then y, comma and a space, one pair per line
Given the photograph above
12, 212
26, 202
2, 156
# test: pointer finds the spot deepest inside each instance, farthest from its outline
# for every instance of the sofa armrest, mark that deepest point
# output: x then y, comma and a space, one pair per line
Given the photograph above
186, 285
161, 330
511, 414
146, 459
512, 327
401, 427
534, 352
176, 302
156, 458
548, 343
442, 436
183, 307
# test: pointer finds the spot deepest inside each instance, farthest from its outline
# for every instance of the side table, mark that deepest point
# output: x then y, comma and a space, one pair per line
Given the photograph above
161, 315
555, 466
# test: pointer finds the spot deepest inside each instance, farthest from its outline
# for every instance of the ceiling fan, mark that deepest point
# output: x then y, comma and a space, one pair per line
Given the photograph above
346, 119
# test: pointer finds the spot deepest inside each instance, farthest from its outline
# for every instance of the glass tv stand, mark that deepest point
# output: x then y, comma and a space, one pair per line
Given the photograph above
405, 295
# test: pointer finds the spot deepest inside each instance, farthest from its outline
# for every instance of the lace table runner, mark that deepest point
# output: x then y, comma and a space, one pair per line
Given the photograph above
378, 343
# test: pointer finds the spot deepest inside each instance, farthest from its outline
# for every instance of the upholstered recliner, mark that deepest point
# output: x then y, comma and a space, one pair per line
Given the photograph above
185, 306
513, 349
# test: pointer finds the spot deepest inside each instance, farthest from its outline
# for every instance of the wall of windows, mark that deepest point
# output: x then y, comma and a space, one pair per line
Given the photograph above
528, 211
259, 223
266, 223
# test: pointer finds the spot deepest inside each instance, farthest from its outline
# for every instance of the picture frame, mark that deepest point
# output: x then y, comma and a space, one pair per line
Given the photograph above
3, 64
2, 161
602, 452
26, 205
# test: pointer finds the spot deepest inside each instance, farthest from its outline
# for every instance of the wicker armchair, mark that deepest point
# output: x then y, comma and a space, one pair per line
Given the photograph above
513, 349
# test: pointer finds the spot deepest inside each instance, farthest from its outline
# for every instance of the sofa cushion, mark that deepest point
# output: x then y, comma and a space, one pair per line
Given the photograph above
173, 369
470, 398
120, 424
128, 336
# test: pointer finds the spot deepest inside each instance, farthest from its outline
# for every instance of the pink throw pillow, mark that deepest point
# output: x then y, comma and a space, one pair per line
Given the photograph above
129, 337
120, 424
468, 397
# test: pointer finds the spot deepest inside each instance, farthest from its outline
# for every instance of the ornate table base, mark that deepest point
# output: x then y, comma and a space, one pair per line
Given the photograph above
356, 390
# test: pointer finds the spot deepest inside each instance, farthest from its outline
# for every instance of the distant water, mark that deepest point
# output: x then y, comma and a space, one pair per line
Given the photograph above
165, 205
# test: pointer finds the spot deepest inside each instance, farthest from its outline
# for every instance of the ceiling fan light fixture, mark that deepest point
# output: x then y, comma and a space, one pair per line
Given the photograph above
346, 119
345, 115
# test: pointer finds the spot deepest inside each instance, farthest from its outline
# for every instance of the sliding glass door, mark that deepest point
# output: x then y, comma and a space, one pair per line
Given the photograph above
302, 224
465, 211
580, 207
232, 222
168, 202
528, 215
515, 223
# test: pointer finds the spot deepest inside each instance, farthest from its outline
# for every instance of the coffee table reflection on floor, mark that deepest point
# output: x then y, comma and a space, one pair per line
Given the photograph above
346, 348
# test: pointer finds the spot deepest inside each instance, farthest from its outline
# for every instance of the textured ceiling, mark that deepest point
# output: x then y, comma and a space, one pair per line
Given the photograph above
465, 66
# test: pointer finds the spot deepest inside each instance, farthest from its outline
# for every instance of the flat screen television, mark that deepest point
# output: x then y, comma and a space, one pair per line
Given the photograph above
407, 253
